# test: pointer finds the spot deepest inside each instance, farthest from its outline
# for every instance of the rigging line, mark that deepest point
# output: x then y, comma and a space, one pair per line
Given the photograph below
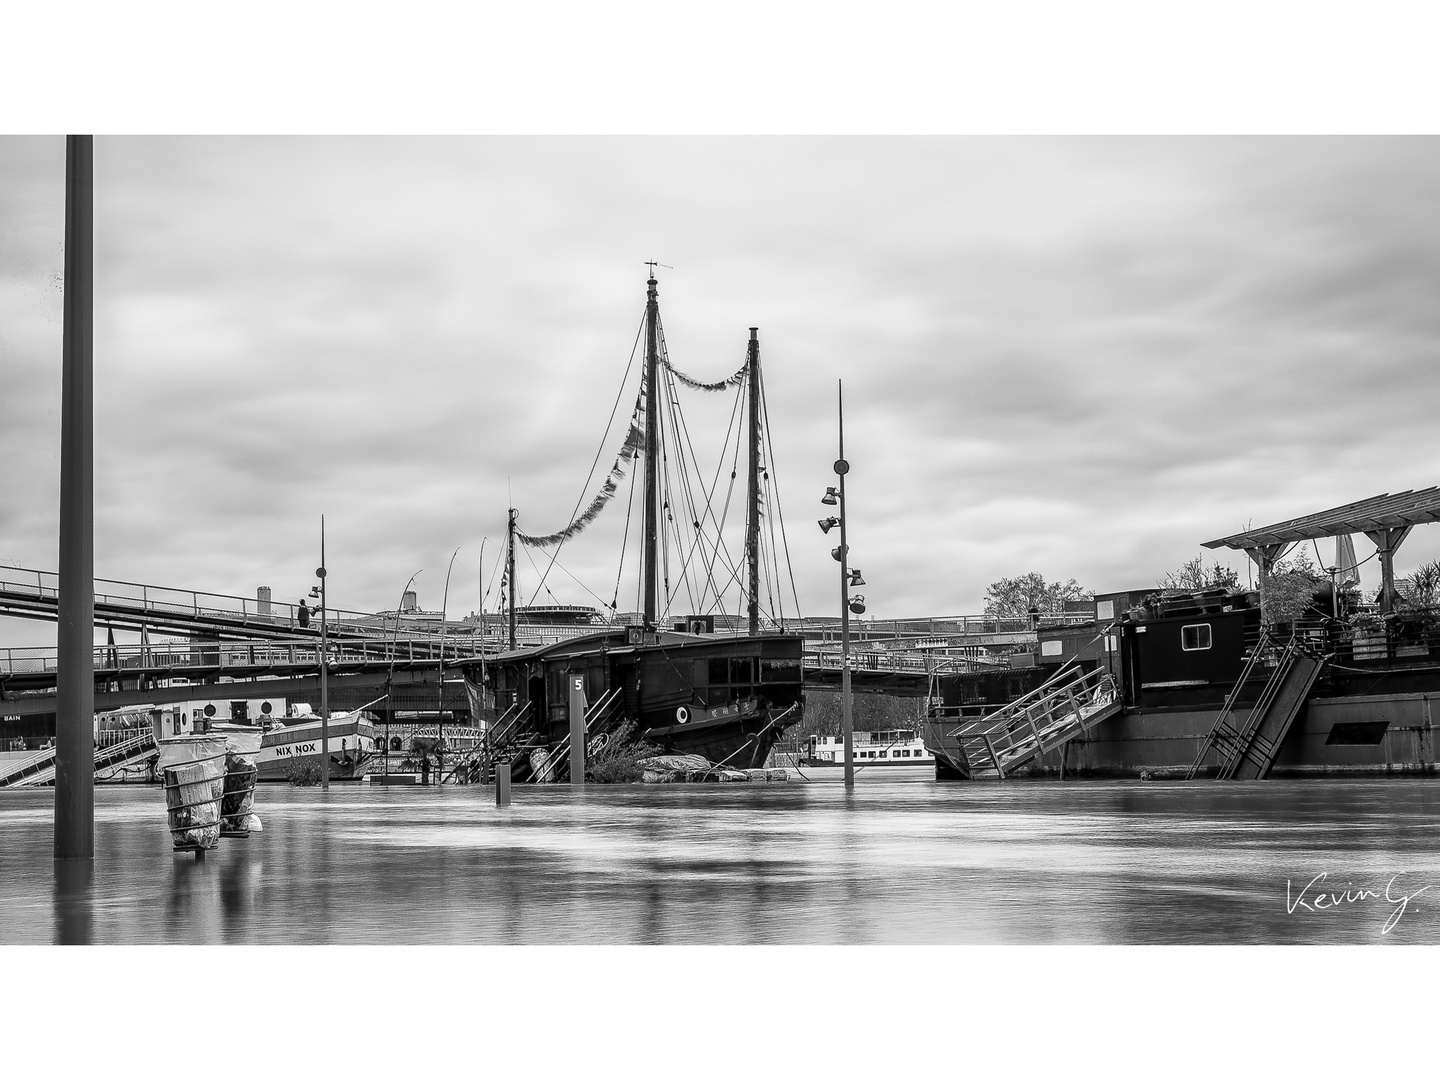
721, 549
773, 581
696, 517
689, 498
604, 441
670, 479
765, 523
561, 566
687, 466
732, 428
624, 541
779, 510
542, 585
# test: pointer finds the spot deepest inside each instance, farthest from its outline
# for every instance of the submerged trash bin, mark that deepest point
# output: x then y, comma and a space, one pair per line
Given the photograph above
193, 768
237, 806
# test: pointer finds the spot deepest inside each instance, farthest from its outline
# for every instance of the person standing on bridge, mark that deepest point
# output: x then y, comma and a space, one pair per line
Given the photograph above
302, 614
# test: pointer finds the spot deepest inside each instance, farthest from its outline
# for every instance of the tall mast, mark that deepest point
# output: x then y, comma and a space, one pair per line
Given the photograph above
752, 521
652, 372
510, 572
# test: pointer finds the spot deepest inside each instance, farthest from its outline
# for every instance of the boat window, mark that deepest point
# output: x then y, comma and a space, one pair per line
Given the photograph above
773, 671
719, 671
742, 672
1195, 637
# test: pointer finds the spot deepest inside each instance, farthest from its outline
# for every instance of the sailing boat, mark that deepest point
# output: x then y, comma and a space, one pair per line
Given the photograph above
727, 698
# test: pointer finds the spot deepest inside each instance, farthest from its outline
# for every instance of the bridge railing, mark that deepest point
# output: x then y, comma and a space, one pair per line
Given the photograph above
243, 654
900, 663
45, 585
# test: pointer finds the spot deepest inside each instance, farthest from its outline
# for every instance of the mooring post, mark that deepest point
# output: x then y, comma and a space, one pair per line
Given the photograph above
502, 784
577, 730
75, 631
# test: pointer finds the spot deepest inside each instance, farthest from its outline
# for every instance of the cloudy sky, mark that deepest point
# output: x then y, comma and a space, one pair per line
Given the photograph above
1081, 356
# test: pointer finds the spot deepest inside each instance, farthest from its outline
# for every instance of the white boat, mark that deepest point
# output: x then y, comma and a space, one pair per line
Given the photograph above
900, 747
291, 744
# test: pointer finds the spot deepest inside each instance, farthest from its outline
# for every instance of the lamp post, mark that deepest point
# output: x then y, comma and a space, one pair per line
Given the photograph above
848, 579
394, 638
324, 669
440, 694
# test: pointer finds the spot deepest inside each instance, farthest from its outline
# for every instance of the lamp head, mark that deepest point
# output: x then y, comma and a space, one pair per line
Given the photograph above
826, 524
857, 604
856, 578
831, 497
315, 591
837, 553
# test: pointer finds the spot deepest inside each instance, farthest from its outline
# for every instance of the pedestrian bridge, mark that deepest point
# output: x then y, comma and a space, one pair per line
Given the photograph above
234, 639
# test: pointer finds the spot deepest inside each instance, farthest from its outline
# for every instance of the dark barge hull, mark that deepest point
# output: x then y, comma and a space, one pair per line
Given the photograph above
728, 699
1367, 716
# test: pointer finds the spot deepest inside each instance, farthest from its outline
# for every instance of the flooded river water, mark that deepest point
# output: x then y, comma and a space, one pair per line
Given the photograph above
899, 859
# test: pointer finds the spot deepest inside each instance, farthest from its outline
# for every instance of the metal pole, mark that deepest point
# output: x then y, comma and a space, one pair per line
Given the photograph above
847, 725
510, 575
752, 522
577, 730
390, 678
440, 695
650, 559
75, 604
324, 665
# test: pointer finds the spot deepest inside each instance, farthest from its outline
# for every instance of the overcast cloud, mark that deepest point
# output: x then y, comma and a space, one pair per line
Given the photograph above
1081, 356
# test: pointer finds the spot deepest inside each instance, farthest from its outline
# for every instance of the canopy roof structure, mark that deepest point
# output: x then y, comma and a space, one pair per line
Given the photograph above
1407, 509
1385, 519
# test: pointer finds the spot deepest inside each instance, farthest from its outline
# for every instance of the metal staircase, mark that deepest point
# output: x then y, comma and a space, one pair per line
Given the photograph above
1045, 719
38, 770
600, 718
512, 736
1247, 748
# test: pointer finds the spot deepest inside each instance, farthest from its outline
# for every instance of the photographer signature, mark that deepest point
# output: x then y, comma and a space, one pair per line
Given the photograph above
1315, 896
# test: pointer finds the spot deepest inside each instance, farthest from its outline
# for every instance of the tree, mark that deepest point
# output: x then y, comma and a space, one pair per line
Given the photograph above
1289, 589
1014, 598
1195, 576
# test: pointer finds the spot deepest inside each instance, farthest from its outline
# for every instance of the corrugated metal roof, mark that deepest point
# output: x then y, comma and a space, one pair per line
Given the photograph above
1368, 515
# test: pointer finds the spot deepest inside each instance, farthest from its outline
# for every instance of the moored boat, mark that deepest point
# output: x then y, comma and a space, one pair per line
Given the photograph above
885, 748
291, 745
1190, 685
688, 690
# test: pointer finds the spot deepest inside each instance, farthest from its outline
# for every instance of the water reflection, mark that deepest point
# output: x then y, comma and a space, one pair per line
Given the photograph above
73, 902
895, 861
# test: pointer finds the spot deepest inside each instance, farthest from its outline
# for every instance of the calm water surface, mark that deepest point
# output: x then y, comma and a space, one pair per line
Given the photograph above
900, 859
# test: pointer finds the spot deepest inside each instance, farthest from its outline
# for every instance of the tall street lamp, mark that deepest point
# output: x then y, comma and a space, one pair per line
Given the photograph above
848, 580
390, 678
324, 668
440, 674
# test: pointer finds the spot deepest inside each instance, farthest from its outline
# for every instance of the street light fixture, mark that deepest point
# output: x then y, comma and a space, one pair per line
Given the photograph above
848, 580
389, 679
324, 668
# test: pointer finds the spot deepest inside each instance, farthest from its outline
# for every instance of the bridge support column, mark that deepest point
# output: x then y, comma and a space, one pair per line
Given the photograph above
75, 630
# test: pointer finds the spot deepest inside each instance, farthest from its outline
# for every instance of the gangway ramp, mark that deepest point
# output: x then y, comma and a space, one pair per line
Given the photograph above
1045, 719
38, 770
1246, 749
